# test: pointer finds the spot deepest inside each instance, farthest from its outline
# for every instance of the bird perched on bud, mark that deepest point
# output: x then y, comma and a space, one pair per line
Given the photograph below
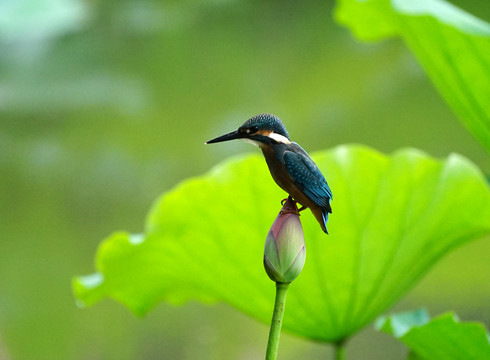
290, 166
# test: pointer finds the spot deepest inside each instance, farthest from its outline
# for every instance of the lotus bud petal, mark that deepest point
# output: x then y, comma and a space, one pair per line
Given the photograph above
284, 252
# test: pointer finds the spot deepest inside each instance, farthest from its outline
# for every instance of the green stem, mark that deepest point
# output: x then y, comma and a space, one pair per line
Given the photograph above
276, 323
340, 351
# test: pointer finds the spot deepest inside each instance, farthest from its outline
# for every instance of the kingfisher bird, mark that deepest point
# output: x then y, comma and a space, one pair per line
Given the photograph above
290, 166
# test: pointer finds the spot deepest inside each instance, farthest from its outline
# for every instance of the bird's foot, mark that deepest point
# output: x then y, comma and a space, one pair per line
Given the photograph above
302, 208
290, 208
289, 212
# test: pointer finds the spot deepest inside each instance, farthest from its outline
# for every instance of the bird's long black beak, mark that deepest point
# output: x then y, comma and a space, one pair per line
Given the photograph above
226, 137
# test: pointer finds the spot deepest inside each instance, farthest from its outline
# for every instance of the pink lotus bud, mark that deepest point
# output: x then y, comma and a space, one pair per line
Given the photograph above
284, 252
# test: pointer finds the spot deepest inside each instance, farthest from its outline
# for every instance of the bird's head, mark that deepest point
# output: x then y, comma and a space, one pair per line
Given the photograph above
259, 130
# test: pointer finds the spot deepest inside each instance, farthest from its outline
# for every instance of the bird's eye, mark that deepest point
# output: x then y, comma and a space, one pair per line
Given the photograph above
252, 130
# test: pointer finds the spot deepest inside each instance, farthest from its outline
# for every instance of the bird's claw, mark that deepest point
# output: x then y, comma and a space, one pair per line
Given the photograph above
289, 212
290, 209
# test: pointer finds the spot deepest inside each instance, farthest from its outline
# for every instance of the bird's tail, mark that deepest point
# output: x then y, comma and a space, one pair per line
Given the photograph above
325, 213
325, 220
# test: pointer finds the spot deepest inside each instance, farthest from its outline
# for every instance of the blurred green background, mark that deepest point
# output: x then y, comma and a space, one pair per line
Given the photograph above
104, 105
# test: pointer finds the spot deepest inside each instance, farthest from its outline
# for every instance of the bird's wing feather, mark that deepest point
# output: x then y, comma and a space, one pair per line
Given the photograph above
308, 178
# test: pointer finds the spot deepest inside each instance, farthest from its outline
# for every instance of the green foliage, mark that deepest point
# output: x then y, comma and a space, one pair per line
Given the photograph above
452, 46
443, 338
393, 217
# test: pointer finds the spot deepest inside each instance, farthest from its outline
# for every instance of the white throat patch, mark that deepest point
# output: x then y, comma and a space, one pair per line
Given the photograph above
279, 138
250, 141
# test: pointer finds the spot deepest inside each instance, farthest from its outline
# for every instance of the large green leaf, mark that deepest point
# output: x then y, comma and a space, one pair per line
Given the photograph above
442, 338
393, 217
452, 46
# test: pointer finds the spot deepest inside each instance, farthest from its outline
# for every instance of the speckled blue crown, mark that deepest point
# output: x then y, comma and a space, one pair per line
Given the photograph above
267, 122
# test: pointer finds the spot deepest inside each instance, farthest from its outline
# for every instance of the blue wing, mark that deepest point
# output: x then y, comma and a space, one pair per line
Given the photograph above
309, 179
